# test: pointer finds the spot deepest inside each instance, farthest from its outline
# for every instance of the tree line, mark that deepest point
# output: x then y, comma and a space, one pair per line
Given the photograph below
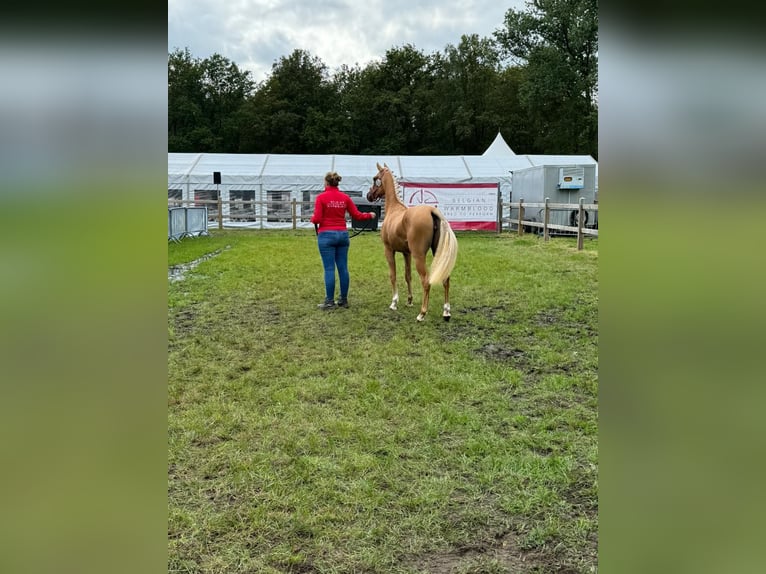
534, 80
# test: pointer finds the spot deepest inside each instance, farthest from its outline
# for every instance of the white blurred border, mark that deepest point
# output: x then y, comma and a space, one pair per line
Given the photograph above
685, 107
81, 108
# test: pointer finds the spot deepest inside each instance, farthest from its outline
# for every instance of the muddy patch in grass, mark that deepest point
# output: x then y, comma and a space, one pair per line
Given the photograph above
580, 318
474, 321
491, 313
255, 314
503, 555
184, 321
178, 272
500, 353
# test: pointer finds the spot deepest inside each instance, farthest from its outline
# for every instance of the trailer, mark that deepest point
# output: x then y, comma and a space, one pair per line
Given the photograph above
560, 184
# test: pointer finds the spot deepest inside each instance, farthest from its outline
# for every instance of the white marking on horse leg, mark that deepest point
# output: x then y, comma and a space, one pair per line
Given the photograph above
446, 314
421, 316
394, 301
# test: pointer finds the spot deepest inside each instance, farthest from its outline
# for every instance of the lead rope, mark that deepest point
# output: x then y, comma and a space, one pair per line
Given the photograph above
361, 230
316, 231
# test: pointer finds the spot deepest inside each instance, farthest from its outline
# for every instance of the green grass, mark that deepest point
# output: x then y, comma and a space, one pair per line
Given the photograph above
359, 440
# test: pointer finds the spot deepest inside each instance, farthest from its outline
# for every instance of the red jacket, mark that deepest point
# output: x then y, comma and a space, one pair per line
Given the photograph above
330, 210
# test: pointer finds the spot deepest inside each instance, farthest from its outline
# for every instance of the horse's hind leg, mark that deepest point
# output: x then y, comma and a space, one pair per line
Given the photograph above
408, 276
392, 277
420, 265
446, 313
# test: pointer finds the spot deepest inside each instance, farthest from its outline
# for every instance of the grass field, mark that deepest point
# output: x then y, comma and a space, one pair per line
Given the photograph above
358, 440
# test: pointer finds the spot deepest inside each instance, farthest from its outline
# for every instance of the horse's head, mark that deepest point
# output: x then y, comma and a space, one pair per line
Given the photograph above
376, 189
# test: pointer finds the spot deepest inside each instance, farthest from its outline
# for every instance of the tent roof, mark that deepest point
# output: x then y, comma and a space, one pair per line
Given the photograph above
363, 165
498, 147
490, 166
561, 159
497, 162
308, 169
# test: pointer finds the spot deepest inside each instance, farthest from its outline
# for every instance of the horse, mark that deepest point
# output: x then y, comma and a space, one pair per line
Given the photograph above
412, 231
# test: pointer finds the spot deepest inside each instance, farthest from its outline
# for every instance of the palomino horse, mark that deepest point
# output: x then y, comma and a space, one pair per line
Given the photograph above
412, 231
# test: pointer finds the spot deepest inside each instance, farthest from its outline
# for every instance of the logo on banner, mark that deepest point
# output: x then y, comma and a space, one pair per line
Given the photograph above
423, 197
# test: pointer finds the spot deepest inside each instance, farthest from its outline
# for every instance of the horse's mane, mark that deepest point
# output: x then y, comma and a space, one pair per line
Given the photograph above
397, 189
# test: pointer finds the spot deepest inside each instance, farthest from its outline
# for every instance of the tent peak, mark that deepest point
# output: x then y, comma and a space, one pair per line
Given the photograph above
498, 147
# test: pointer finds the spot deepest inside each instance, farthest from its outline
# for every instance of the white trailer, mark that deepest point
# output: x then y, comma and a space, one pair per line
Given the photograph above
560, 184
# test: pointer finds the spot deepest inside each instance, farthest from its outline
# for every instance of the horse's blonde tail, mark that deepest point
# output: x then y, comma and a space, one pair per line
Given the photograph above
446, 252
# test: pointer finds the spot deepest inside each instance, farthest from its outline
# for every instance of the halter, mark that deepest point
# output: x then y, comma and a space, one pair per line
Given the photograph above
377, 184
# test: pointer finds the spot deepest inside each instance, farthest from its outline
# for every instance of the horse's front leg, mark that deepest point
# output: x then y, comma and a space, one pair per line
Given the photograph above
408, 276
420, 265
446, 313
392, 277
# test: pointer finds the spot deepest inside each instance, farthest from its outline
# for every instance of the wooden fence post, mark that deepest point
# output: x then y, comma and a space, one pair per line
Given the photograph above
294, 212
580, 216
521, 215
499, 211
220, 211
546, 220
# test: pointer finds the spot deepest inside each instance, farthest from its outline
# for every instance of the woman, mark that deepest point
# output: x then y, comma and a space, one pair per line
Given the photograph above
330, 215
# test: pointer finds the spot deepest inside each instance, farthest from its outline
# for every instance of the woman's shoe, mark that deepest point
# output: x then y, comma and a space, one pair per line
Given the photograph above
342, 302
327, 305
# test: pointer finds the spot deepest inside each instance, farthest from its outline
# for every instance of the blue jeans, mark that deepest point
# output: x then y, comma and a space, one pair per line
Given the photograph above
333, 247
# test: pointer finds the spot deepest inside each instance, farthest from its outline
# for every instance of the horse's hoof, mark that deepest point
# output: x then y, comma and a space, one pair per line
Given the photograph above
421, 317
446, 317
392, 307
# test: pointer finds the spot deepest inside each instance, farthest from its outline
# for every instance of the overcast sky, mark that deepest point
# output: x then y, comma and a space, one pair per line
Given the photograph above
256, 33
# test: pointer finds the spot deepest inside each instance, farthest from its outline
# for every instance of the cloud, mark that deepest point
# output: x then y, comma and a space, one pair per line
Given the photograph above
256, 33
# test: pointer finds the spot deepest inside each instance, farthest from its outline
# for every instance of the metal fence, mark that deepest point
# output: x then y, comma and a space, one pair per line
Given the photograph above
186, 222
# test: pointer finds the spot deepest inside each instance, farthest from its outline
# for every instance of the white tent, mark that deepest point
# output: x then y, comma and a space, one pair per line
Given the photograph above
281, 178
498, 147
